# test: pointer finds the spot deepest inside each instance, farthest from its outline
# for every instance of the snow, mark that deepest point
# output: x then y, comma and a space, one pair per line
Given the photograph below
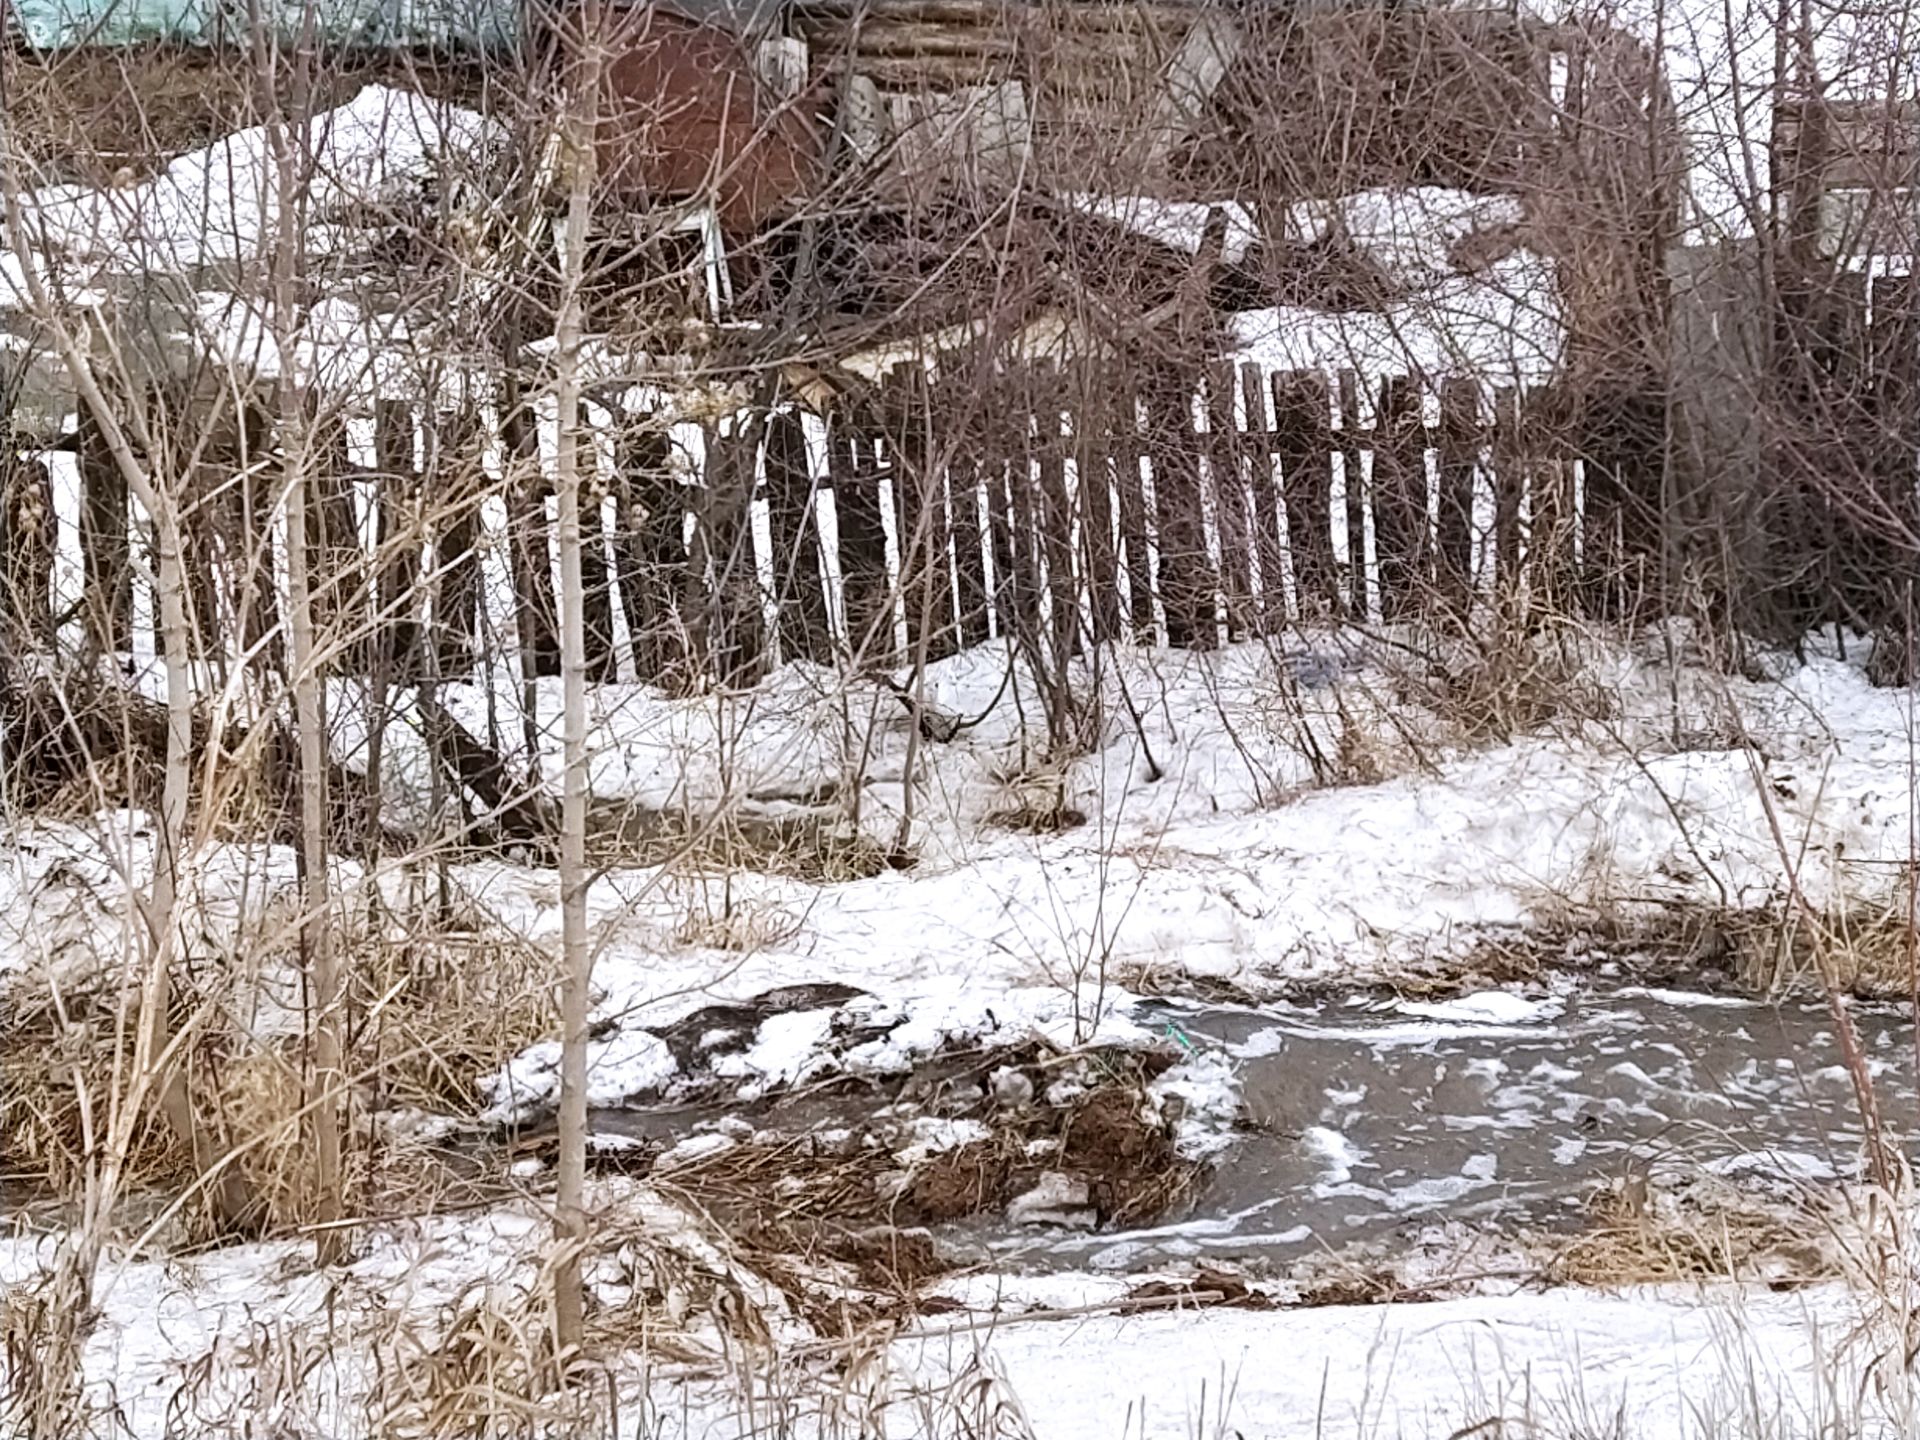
223, 202
175, 1340
1506, 323
1412, 234
628, 1063
1492, 1007
1646, 1366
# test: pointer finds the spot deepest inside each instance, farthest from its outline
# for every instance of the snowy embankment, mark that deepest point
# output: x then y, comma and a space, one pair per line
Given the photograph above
438, 1323
1275, 817
1212, 848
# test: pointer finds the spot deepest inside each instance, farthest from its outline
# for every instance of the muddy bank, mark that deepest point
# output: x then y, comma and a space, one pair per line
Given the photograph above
1007, 1138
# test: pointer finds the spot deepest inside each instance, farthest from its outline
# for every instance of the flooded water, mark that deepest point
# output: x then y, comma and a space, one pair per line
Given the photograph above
1365, 1119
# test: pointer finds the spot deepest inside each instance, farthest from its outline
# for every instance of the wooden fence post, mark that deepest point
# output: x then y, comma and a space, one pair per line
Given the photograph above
1189, 588
397, 540
106, 567
921, 538
1052, 516
1354, 474
1552, 519
1269, 545
1226, 450
1509, 465
529, 550
459, 482
799, 580
596, 582
733, 624
1301, 425
1459, 451
866, 589
649, 550
1129, 486
1400, 496
1093, 451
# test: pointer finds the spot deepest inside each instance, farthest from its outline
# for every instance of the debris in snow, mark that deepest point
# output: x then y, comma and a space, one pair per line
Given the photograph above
692, 1150
222, 203
933, 1134
1416, 236
1057, 1200
1011, 1088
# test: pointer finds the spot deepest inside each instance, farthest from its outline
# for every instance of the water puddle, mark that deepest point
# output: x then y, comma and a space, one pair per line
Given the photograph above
1367, 1118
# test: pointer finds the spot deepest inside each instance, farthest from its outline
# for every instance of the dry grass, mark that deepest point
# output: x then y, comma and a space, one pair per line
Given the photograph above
1862, 949
1493, 694
430, 1012
1640, 1235
743, 926
803, 843
437, 1010
1034, 802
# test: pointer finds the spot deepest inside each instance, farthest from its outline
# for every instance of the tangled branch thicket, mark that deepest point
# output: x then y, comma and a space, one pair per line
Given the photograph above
859, 336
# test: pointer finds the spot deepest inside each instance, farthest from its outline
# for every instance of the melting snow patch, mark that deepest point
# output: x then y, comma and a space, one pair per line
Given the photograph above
933, 1134
1209, 1093
626, 1064
693, 1149
1487, 1007
1796, 1165
1340, 1154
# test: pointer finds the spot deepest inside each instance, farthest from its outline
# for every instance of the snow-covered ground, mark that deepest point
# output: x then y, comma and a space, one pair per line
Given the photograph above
1333, 808
1277, 816
438, 1321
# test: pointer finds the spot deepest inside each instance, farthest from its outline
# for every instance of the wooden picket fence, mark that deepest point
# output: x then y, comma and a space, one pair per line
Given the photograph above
1055, 506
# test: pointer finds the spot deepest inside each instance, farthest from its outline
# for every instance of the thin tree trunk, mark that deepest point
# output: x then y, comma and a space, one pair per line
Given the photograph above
316, 930
570, 1217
